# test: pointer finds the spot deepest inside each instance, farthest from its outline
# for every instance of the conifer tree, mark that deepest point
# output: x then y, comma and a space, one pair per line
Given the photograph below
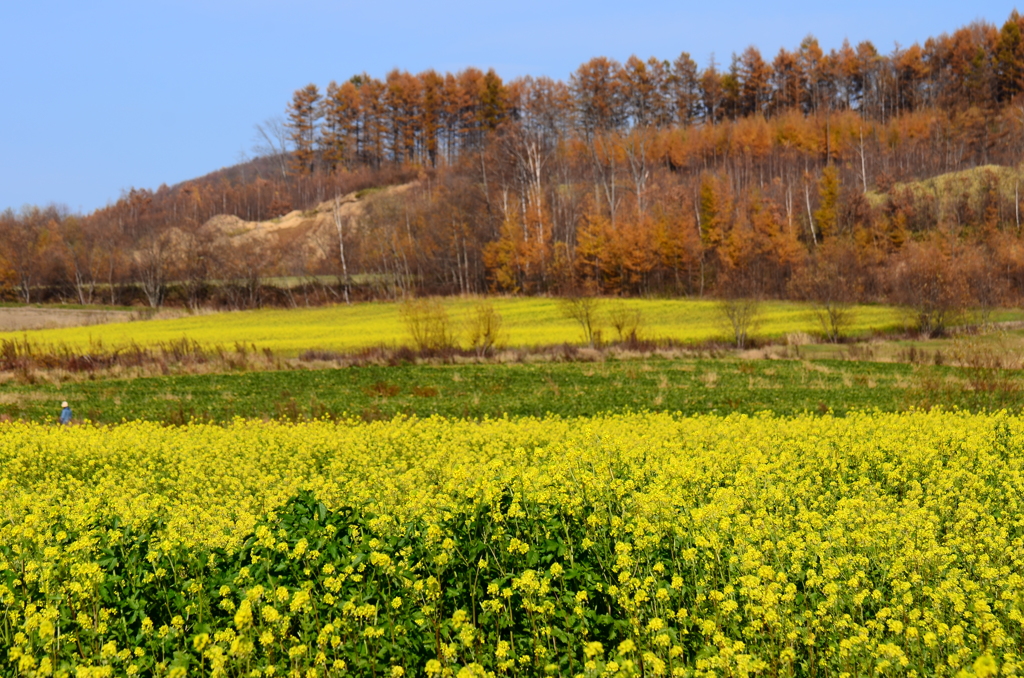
303, 117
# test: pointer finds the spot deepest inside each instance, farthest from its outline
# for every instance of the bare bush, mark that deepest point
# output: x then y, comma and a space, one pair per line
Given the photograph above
484, 328
740, 306
428, 324
583, 306
742, 315
628, 321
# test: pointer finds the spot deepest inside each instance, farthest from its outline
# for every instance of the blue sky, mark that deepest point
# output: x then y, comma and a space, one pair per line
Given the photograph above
103, 96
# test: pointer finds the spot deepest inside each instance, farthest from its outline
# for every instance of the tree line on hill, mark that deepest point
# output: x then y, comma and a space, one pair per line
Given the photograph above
850, 174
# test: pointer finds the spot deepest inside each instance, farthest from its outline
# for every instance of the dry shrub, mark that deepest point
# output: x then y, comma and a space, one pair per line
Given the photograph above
628, 321
990, 366
741, 315
483, 329
742, 290
382, 389
428, 324
583, 306
425, 391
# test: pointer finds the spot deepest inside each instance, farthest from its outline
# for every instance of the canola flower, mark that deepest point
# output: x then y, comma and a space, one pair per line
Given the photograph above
638, 544
527, 321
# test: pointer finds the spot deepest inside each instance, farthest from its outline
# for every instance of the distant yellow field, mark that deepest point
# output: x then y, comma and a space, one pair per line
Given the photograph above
525, 322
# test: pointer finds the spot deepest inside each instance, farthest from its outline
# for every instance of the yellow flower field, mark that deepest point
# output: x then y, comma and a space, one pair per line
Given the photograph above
525, 322
643, 544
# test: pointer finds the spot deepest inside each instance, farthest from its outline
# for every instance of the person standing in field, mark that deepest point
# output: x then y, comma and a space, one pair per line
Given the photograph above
65, 413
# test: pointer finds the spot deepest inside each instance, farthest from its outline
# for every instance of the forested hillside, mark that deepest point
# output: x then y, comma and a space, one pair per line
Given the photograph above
850, 174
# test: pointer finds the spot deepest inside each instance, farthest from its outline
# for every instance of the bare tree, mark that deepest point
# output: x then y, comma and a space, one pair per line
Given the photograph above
83, 257
742, 315
113, 262
637, 148
197, 261
831, 281
740, 305
21, 236
271, 140
339, 223
153, 262
484, 328
253, 259
627, 320
583, 306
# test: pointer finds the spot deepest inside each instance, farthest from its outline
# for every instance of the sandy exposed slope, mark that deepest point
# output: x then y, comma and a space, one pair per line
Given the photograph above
314, 228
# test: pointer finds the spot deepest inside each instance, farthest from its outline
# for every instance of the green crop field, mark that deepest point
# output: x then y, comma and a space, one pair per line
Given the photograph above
525, 322
523, 389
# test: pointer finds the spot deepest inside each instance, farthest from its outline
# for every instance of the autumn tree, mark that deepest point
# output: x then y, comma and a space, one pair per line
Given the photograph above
712, 93
24, 237
925, 280
338, 138
645, 91
832, 282
813, 71
304, 114
599, 97
372, 120
786, 81
154, 260
826, 217
198, 262
83, 256
402, 111
1009, 57
245, 273
685, 89
493, 101
431, 114
754, 76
